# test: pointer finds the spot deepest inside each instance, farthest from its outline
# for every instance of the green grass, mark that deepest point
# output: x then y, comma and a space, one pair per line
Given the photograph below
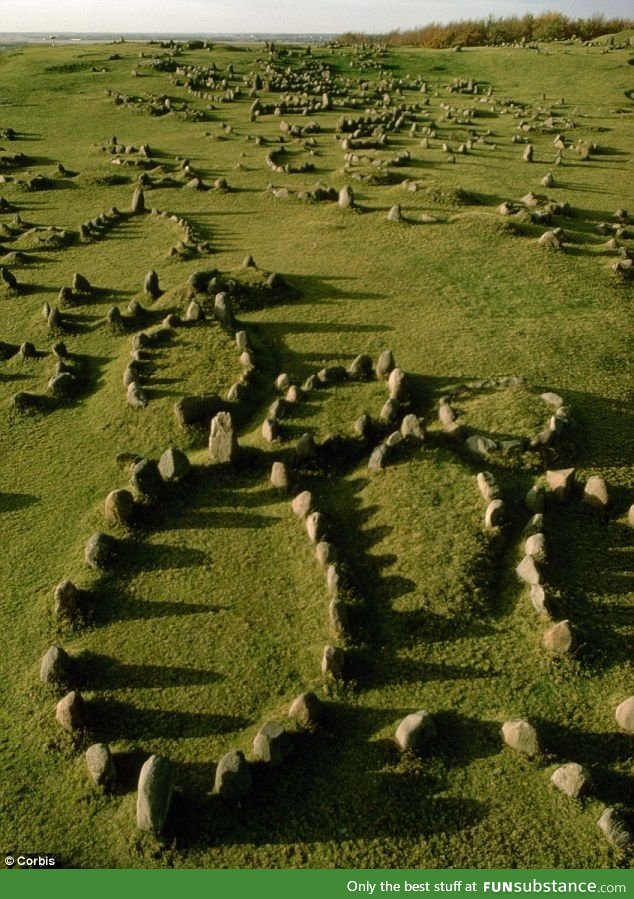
214, 615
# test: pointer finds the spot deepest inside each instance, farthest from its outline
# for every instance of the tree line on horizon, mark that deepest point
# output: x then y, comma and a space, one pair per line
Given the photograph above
546, 26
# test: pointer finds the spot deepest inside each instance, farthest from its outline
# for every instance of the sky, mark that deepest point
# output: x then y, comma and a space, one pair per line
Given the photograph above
329, 16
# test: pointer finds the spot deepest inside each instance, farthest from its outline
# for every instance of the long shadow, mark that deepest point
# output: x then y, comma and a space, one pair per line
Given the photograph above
106, 673
11, 502
113, 720
143, 556
124, 608
381, 794
600, 752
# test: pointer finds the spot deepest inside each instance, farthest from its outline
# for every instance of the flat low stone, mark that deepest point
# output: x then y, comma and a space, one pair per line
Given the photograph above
539, 599
70, 712
315, 526
233, 779
272, 744
625, 715
100, 764
595, 492
302, 504
561, 482
56, 666
154, 796
553, 399
119, 507
416, 731
560, 638
280, 476
572, 779
480, 446
488, 486
306, 709
528, 571
614, 828
332, 661
67, 598
326, 553
535, 546
98, 551
521, 736
495, 514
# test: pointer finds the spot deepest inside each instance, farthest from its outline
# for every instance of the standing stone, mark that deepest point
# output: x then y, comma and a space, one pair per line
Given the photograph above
271, 429
346, 197
70, 712
539, 599
272, 744
395, 215
315, 526
136, 396
332, 662
560, 638
98, 551
326, 553
487, 485
561, 482
528, 571
413, 428
233, 776
360, 368
100, 764
151, 285
222, 309
174, 465
156, 784
385, 364
280, 477
282, 382
138, 201
397, 385
338, 617
119, 507
306, 447
535, 546
223, 443
572, 779
416, 731
534, 525
389, 413
378, 458
614, 828
595, 493
242, 341
625, 715
521, 736
302, 504
306, 709
553, 399
535, 498
146, 479
67, 599
528, 153
55, 667
495, 514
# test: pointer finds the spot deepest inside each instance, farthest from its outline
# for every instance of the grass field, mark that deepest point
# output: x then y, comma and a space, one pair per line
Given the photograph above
213, 616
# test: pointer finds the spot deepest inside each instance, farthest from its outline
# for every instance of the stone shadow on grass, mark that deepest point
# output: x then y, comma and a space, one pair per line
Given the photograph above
107, 673
113, 720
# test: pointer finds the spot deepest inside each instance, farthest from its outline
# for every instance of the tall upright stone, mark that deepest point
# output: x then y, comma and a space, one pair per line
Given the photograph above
223, 443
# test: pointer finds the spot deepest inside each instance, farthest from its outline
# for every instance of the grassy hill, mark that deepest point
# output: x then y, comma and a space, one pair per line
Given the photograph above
213, 615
